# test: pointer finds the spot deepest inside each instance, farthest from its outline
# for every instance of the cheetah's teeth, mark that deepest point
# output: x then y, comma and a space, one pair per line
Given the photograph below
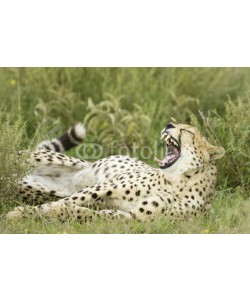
169, 140
166, 138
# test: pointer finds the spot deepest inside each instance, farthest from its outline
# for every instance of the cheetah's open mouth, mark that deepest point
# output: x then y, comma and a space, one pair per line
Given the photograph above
173, 152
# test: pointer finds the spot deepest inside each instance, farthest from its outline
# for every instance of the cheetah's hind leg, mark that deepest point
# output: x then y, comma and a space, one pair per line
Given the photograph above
52, 177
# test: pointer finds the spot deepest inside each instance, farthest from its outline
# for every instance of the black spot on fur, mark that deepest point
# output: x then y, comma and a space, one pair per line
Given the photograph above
94, 195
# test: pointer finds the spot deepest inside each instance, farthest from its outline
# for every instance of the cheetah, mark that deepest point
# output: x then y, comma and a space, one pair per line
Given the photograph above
121, 187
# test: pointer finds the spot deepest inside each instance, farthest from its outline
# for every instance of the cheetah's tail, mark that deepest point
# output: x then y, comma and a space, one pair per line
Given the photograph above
73, 137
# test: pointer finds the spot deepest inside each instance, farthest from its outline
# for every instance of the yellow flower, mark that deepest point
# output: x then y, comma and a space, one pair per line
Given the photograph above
13, 82
206, 231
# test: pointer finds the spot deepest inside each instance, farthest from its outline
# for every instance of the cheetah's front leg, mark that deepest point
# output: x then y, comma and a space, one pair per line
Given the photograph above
77, 206
63, 209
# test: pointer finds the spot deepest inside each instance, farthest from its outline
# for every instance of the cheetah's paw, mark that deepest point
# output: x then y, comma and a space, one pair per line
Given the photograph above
16, 213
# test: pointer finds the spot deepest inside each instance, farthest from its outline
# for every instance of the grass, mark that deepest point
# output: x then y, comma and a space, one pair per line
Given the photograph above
12, 164
130, 105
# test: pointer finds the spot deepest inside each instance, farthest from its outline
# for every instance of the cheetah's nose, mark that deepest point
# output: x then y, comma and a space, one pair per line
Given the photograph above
170, 125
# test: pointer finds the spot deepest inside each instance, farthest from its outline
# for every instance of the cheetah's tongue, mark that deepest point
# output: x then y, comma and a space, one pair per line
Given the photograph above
165, 160
170, 157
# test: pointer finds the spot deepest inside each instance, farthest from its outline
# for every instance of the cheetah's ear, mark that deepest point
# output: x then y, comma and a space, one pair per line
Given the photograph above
216, 152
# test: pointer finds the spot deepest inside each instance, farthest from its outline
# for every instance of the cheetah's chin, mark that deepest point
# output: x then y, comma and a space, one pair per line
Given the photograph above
173, 152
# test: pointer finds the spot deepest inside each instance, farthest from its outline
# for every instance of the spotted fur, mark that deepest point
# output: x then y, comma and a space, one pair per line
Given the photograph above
121, 186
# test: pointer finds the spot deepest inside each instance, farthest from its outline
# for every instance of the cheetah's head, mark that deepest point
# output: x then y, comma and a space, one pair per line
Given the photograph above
186, 149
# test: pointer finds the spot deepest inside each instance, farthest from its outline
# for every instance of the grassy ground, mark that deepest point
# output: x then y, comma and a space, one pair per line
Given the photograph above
131, 106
